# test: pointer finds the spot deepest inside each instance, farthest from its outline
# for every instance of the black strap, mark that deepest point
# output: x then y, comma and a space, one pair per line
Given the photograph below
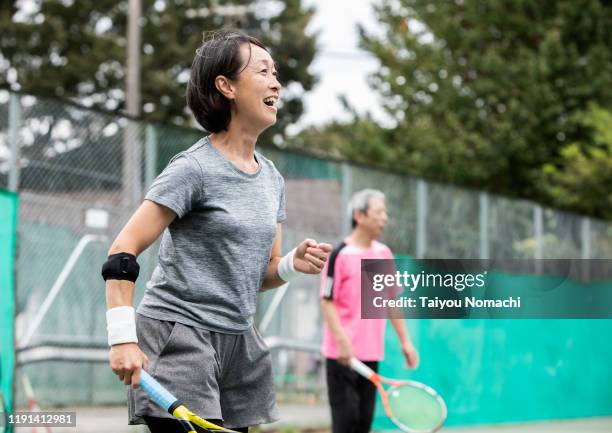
331, 265
121, 266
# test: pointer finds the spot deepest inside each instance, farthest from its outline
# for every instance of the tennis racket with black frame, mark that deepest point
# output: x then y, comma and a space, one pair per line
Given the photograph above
169, 402
412, 406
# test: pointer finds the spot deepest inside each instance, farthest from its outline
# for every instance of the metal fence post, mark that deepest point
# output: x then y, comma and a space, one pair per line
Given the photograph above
585, 235
483, 222
345, 195
131, 164
538, 233
421, 234
585, 245
13, 138
150, 155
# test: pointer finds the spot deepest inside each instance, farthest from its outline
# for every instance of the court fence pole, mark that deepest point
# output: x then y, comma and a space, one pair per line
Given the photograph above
585, 246
483, 200
538, 234
13, 138
150, 155
585, 235
345, 197
131, 164
421, 226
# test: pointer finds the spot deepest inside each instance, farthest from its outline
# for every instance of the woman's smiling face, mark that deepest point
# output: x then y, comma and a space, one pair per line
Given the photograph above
257, 89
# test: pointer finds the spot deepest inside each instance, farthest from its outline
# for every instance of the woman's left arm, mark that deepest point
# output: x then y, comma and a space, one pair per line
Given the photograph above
308, 257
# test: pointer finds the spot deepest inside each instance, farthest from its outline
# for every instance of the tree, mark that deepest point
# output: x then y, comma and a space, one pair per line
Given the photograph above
582, 179
359, 140
486, 93
77, 50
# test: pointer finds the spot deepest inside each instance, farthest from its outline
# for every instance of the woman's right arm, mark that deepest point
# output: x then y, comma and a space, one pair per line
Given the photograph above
143, 228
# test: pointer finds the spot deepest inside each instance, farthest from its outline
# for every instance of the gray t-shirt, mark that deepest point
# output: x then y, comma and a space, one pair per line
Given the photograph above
213, 257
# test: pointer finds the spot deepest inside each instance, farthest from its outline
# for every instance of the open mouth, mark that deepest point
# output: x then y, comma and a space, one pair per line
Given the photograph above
270, 101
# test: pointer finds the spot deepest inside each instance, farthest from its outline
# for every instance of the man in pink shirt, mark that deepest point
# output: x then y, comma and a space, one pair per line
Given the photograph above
351, 397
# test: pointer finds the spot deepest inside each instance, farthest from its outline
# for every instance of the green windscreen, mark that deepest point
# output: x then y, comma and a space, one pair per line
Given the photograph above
8, 222
503, 370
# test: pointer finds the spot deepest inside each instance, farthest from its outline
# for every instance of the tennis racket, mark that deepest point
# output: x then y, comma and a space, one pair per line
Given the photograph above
412, 406
167, 401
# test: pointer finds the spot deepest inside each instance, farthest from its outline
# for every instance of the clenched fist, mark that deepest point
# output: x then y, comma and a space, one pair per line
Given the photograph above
310, 256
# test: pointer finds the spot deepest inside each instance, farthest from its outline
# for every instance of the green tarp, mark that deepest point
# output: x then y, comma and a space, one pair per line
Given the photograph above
8, 222
493, 371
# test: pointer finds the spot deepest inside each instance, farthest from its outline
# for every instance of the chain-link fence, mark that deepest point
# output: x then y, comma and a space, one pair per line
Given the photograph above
81, 173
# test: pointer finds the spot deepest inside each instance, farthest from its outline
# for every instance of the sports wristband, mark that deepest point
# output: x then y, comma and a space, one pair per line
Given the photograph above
286, 270
121, 325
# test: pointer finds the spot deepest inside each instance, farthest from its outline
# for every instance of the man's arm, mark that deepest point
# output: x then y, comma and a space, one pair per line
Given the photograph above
408, 349
330, 315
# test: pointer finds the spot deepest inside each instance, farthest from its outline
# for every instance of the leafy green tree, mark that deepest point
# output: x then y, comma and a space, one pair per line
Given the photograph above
483, 93
77, 50
359, 140
582, 179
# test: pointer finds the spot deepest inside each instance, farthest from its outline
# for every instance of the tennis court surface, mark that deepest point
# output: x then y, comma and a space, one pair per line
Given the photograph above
315, 419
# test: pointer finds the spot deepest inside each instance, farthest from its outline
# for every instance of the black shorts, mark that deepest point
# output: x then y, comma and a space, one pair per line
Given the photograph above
167, 425
352, 398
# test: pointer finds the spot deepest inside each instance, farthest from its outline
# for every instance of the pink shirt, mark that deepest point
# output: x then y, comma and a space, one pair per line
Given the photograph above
367, 336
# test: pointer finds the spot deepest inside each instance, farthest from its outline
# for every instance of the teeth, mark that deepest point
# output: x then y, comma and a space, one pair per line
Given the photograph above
270, 100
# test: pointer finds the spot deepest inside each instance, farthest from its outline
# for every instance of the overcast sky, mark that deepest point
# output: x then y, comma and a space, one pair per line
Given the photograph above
341, 66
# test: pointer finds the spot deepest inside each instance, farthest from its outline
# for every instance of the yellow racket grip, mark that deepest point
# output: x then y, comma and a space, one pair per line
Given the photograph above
184, 413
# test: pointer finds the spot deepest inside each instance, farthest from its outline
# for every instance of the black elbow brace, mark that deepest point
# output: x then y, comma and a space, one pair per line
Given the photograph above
121, 266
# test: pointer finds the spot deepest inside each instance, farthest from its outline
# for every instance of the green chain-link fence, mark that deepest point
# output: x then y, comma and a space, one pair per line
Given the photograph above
80, 174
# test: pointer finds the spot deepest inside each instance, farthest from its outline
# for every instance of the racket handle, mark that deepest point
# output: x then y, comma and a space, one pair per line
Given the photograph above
158, 393
361, 368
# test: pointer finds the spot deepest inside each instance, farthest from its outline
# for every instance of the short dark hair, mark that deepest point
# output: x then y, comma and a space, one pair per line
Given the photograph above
218, 55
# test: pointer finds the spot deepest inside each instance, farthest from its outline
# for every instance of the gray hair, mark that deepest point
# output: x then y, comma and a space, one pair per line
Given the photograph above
360, 202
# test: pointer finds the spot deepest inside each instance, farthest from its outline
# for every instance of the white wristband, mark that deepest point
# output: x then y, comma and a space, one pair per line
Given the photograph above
121, 325
286, 269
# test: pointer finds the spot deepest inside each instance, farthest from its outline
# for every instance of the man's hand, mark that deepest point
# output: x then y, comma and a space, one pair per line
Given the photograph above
310, 256
411, 355
345, 352
126, 361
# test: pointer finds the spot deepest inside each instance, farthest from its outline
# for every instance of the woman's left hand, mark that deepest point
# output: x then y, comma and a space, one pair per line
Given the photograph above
310, 256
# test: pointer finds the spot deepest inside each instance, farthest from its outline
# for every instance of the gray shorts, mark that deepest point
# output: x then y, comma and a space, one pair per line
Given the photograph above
216, 376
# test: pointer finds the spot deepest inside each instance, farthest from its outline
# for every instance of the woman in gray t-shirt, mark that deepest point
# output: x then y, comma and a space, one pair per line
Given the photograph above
218, 207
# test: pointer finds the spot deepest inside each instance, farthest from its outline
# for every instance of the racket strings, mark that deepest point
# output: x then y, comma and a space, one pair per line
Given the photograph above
415, 409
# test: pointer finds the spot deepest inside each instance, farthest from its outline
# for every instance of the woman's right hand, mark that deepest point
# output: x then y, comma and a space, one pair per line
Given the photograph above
126, 360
